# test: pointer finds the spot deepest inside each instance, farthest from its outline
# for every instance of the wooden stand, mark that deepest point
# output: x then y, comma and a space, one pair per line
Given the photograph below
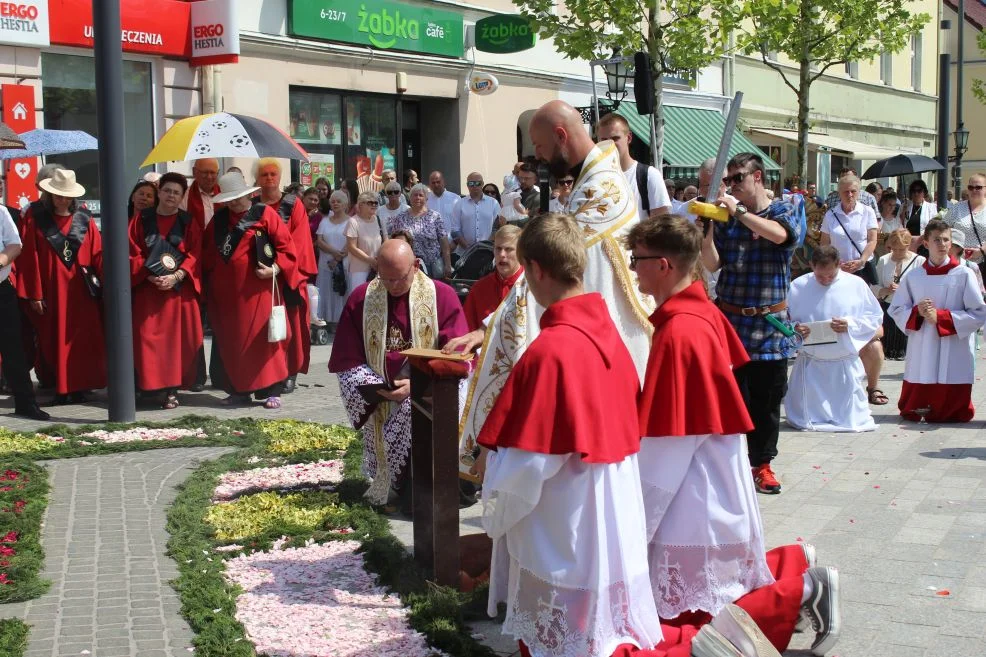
435, 471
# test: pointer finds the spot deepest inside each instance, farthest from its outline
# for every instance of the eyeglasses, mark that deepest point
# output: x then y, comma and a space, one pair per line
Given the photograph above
489, 192
474, 183
975, 188
568, 182
736, 178
395, 281
634, 259
393, 192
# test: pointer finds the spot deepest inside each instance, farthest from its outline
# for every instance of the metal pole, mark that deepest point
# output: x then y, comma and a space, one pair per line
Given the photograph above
944, 64
113, 201
595, 97
958, 99
654, 155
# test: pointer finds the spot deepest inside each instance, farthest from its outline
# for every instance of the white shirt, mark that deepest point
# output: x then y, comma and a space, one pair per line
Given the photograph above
474, 221
207, 208
853, 230
444, 205
385, 214
961, 217
657, 192
8, 237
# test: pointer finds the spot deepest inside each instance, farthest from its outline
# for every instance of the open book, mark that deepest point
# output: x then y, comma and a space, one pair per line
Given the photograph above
820, 333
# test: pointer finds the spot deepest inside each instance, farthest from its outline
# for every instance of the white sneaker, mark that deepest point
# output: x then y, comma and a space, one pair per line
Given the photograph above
709, 643
737, 626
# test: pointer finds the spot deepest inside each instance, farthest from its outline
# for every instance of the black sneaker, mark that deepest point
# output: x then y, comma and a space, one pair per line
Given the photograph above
822, 609
811, 559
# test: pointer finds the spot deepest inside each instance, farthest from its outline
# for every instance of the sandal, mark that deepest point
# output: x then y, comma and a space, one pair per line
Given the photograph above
170, 402
236, 400
272, 403
877, 397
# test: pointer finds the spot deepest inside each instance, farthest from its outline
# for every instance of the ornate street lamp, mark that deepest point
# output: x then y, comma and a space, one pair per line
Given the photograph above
961, 137
617, 74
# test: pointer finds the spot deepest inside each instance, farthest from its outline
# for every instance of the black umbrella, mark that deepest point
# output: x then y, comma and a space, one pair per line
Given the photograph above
901, 165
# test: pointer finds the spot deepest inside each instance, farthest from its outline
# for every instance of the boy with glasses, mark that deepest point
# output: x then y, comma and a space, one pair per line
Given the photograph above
752, 252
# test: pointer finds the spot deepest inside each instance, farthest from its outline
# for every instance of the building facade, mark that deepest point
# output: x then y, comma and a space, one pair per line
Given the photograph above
973, 109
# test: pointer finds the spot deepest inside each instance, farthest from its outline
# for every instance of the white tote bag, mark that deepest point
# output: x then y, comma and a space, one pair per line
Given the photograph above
277, 327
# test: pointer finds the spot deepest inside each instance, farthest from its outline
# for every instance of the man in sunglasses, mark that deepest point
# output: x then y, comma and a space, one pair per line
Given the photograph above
474, 215
752, 252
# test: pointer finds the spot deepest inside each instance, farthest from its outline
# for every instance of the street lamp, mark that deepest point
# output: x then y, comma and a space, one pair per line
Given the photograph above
617, 74
961, 137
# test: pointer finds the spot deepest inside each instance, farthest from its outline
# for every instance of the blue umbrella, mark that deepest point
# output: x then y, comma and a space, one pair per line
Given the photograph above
52, 142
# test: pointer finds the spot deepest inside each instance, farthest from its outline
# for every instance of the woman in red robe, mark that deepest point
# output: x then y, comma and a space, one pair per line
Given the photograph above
167, 325
292, 212
241, 293
59, 273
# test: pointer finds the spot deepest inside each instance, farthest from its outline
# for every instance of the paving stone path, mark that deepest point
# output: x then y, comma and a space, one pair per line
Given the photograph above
105, 541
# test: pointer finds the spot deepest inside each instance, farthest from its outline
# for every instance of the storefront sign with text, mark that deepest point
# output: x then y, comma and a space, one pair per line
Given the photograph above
504, 34
215, 33
380, 24
152, 27
24, 23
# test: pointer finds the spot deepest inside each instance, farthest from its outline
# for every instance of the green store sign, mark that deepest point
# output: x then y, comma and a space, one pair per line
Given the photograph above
379, 24
504, 34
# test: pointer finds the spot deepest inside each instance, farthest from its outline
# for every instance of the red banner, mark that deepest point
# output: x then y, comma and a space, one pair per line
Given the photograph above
19, 114
151, 27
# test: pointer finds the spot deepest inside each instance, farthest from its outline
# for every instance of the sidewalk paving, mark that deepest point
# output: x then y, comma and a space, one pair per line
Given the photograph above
901, 511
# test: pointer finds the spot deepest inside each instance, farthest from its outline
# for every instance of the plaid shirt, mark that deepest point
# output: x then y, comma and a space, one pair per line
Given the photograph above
756, 273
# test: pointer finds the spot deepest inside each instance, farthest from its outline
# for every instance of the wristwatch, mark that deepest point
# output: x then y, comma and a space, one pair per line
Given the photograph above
740, 211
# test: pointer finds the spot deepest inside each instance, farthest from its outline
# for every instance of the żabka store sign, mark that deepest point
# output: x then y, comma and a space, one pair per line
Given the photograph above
24, 23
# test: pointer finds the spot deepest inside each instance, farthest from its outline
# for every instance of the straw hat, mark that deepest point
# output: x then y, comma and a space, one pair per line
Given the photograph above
62, 183
232, 186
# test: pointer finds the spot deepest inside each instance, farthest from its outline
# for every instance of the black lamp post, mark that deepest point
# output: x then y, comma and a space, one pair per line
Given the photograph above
944, 82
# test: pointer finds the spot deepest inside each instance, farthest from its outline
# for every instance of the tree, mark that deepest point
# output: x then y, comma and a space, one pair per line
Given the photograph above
979, 86
819, 35
679, 36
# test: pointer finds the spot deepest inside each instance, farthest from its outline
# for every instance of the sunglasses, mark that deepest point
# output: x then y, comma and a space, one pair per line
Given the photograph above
474, 183
371, 203
975, 188
567, 183
736, 178
393, 192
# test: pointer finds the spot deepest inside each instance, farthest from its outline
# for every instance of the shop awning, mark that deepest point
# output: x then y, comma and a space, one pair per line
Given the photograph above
858, 150
691, 136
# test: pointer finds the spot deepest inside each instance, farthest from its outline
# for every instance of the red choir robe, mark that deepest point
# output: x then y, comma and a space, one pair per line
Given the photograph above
295, 218
486, 296
240, 303
167, 325
70, 332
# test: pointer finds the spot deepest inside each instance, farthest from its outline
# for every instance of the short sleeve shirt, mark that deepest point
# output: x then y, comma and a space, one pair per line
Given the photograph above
657, 191
850, 235
427, 231
756, 273
368, 240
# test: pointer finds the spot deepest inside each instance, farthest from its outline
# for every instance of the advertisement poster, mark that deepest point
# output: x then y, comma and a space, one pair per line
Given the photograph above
321, 165
353, 127
370, 168
316, 119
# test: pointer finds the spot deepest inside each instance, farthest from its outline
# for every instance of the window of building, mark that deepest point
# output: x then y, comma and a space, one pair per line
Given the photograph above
68, 91
886, 68
352, 136
916, 48
852, 70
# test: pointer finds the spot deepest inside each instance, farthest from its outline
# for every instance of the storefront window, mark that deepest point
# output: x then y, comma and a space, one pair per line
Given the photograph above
361, 151
69, 96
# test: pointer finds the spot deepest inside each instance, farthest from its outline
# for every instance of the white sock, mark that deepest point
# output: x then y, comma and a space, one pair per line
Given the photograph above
809, 588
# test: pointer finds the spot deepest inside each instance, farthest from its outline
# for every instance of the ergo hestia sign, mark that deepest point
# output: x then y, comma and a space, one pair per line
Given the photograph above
380, 24
503, 33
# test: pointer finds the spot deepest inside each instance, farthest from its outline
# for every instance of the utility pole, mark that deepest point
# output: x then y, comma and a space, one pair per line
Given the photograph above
113, 203
959, 125
944, 80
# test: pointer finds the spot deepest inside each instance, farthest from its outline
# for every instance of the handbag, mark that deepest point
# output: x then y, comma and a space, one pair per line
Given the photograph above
93, 285
277, 327
339, 279
383, 238
868, 271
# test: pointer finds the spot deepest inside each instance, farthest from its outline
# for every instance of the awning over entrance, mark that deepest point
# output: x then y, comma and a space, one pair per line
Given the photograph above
691, 136
858, 150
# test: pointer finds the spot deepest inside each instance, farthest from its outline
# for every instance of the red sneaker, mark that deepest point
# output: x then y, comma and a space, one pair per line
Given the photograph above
765, 480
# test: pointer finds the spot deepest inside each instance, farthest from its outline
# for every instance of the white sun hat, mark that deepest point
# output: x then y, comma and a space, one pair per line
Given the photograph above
232, 186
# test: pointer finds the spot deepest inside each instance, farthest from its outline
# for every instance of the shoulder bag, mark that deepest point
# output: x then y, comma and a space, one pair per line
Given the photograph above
868, 271
277, 327
982, 263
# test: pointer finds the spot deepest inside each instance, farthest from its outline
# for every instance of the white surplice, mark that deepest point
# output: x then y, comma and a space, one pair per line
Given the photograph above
826, 391
931, 357
569, 553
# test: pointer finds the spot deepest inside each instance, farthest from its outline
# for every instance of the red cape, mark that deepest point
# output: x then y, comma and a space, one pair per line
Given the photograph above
300, 343
573, 390
70, 332
486, 296
240, 303
167, 325
689, 387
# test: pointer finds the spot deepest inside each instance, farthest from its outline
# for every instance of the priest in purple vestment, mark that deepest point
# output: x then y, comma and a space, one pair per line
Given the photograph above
401, 308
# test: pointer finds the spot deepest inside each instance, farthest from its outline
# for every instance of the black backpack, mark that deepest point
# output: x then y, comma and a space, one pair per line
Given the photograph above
642, 188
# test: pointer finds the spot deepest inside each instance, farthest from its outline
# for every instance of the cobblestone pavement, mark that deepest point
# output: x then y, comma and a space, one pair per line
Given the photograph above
901, 511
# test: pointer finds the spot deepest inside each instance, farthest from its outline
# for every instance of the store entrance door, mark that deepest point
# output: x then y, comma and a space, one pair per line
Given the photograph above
410, 139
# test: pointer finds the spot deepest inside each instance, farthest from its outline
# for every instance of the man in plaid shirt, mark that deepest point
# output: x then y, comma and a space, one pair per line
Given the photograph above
752, 252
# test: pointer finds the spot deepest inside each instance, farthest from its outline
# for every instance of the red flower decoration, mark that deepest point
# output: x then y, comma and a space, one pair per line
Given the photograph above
6, 551
10, 475
4, 489
4, 579
4, 563
9, 537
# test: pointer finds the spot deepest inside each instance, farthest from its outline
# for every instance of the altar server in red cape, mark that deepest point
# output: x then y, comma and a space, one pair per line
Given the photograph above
940, 307
488, 292
165, 244
59, 272
241, 293
706, 546
295, 218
